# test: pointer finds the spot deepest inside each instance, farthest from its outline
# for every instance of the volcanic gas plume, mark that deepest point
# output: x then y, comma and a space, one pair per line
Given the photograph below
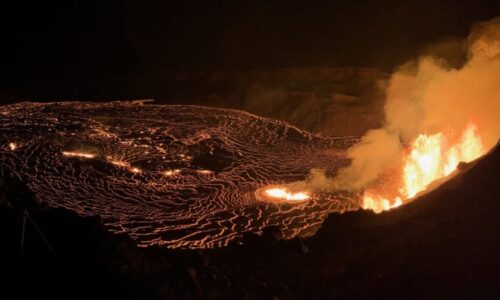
435, 117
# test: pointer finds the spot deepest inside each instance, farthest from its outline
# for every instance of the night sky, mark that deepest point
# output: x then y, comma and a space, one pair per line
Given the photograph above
107, 50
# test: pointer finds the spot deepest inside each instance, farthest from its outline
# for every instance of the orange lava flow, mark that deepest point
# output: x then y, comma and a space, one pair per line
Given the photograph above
429, 158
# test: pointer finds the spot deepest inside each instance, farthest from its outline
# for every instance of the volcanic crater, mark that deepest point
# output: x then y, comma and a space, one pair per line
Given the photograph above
176, 176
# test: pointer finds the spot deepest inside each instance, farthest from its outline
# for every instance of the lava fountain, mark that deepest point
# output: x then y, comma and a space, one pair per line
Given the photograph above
429, 158
436, 116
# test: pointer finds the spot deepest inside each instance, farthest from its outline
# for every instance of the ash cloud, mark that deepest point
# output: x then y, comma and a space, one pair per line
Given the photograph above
427, 95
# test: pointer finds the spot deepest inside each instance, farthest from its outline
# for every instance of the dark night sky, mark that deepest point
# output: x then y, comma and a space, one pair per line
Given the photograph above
74, 49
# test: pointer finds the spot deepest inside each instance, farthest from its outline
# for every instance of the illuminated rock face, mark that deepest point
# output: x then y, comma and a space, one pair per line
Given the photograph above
175, 176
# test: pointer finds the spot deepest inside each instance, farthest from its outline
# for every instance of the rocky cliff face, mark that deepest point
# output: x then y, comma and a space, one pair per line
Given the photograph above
344, 101
327, 101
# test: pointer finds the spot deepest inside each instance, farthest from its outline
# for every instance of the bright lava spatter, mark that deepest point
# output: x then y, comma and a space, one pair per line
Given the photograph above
174, 176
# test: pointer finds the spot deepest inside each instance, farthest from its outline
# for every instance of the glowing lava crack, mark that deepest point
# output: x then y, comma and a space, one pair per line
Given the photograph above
175, 176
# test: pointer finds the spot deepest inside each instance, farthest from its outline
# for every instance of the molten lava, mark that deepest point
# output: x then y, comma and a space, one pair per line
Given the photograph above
285, 194
170, 176
78, 154
204, 172
429, 158
171, 172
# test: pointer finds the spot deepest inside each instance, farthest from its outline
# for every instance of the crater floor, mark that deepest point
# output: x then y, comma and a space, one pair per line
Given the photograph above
169, 175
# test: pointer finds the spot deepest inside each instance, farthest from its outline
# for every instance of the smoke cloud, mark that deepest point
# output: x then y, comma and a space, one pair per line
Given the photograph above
429, 95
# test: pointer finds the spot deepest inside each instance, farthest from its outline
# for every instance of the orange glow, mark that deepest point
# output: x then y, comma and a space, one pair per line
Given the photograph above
204, 172
171, 172
286, 194
429, 158
78, 154
123, 164
118, 163
378, 203
168, 173
12, 146
135, 170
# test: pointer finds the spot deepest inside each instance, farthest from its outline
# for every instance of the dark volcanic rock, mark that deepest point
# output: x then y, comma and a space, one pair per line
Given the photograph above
326, 101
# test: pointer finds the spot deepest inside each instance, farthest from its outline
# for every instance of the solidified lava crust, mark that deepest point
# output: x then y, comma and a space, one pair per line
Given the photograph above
169, 175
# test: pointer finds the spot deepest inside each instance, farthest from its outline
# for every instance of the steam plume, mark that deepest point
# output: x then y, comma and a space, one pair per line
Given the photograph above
428, 96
